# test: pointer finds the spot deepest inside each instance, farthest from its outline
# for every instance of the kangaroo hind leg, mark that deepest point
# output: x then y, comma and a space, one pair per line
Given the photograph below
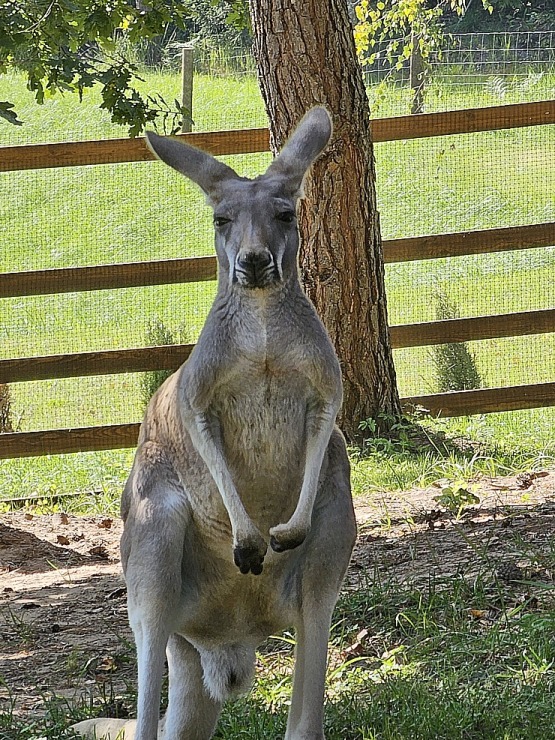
327, 551
157, 517
192, 709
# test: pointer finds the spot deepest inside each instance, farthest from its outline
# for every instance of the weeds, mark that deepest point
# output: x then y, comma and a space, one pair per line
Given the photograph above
24, 631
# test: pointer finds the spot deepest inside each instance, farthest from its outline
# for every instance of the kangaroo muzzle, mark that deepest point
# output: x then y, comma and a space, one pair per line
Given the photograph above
255, 269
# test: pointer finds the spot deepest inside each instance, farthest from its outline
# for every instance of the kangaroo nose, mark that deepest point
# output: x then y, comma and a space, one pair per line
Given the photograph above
253, 261
255, 268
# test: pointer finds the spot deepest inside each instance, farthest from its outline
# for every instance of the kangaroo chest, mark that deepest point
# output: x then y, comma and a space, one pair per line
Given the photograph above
261, 405
261, 416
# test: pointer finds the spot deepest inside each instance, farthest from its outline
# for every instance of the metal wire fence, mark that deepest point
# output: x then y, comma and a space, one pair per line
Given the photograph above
466, 58
506, 67
143, 211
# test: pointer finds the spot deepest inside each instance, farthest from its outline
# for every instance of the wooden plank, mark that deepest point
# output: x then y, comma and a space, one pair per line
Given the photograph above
483, 400
170, 357
117, 151
471, 120
459, 403
472, 329
107, 277
469, 242
82, 364
193, 269
113, 151
61, 441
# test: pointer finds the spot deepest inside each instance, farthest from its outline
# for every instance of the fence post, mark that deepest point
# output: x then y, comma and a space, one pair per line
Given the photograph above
187, 87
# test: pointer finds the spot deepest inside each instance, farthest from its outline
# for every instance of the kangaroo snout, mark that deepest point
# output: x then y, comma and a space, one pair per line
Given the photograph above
255, 268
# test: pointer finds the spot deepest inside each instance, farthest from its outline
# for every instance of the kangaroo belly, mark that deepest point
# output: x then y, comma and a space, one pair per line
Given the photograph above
227, 607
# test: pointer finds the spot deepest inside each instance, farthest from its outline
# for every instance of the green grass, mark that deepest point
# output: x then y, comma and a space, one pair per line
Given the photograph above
500, 444
127, 212
447, 93
218, 103
429, 671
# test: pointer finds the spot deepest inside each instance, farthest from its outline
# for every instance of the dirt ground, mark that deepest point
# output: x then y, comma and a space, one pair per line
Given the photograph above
63, 622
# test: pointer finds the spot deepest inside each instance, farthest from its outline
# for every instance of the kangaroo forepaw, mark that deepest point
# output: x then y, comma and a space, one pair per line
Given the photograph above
248, 555
284, 537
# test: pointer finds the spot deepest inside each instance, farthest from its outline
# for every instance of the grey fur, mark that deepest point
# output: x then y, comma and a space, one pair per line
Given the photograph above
238, 515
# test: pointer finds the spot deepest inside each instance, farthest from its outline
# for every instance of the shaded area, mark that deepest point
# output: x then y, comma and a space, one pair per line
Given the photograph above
63, 620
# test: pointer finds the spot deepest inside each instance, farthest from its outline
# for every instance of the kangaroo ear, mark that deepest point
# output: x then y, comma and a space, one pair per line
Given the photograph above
200, 167
306, 142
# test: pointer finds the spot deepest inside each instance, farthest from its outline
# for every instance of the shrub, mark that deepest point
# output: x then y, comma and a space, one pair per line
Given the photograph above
157, 335
6, 422
455, 364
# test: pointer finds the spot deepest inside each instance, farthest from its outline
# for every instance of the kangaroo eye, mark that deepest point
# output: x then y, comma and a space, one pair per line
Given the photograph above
221, 221
286, 217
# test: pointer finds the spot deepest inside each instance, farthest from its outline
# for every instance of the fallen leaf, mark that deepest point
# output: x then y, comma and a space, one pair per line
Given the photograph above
107, 664
100, 551
354, 651
61, 539
106, 524
118, 593
524, 480
357, 648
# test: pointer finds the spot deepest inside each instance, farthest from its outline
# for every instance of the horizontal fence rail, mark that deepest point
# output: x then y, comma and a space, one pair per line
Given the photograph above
448, 331
248, 141
120, 151
196, 269
62, 441
468, 242
162, 272
122, 436
82, 364
484, 400
107, 277
171, 356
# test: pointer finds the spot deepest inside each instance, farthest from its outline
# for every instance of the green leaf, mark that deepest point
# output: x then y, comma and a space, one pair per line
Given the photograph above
8, 114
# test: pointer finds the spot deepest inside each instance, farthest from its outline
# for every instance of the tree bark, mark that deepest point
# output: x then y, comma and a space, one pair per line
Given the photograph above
306, 56
417, 72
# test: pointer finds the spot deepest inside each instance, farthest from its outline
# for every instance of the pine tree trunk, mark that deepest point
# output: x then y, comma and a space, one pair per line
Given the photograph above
306, 56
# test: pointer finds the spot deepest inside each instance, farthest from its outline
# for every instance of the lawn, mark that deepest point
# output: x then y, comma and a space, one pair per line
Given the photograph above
128, 212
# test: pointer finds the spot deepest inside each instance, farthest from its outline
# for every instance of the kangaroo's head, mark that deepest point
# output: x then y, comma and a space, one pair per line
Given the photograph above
255, 221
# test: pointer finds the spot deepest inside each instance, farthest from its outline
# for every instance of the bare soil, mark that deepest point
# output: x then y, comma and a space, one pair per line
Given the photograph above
63, 621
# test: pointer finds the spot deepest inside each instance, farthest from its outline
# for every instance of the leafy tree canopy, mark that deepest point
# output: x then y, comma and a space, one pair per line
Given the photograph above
508, 15
402, 23
72, 45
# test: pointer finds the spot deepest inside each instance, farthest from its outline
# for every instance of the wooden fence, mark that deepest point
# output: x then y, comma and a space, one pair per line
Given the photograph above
109, 277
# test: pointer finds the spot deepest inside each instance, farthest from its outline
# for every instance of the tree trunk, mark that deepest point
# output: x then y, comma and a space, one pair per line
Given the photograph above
306, 56
417, 72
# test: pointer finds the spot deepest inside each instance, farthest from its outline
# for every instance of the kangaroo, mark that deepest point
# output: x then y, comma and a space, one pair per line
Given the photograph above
238, 518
